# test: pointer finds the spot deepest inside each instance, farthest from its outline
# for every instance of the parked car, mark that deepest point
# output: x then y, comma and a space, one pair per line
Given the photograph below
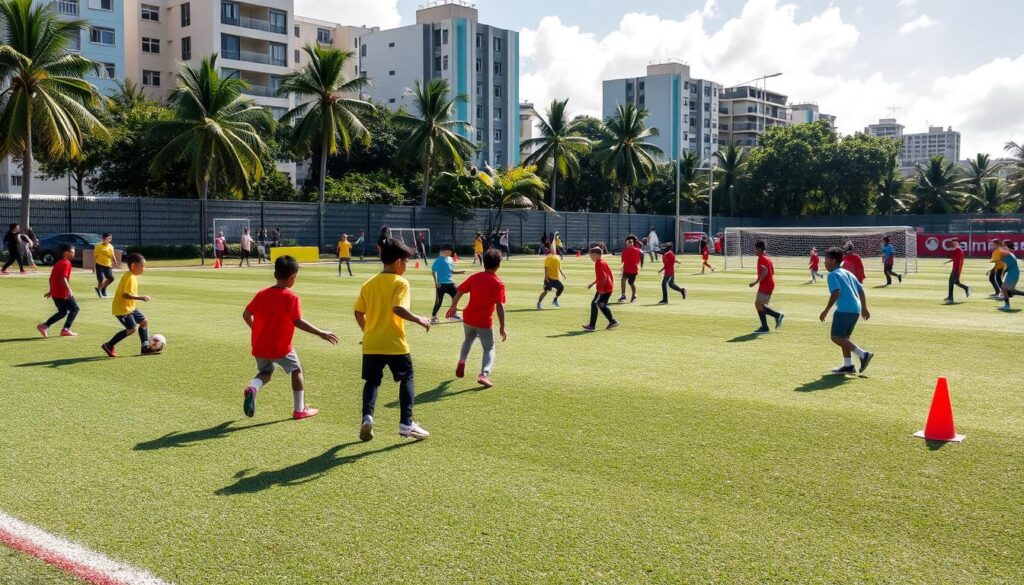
49, 247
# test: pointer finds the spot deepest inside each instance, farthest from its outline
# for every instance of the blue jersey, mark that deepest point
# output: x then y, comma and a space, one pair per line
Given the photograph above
888, 253
849, 290
1012, 267
444, 266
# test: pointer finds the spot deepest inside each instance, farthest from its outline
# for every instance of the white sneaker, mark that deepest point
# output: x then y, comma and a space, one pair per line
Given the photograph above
554, 303
366, 429
413, 431
539, 308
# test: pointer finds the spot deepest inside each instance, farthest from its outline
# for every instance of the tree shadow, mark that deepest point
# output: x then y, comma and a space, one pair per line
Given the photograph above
570, 334
62, 362
184, 439
299, 473
745, 338
826, 382
18, 339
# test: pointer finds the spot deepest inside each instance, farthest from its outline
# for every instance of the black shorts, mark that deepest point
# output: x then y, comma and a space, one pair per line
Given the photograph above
630, 278
843, 324
446, 289
373, 367
104, 273
131, 320
553, 284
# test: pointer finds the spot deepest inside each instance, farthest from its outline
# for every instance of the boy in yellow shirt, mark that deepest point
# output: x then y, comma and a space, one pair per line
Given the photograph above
478, 249
381, 311
345, 254
103, 253
123, 308
552, 271
995, 275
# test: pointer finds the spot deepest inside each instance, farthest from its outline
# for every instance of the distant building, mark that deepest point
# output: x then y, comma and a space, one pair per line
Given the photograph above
885, 128
920, 148
747, 111
807, 113
527, 121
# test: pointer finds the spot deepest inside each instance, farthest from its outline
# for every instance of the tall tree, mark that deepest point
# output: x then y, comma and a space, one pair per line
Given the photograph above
558, 145
732, 165
979, 170
626, 156
45, 99
992, 198
1015, 185
435, 141
891, 196
515, 188
939, 188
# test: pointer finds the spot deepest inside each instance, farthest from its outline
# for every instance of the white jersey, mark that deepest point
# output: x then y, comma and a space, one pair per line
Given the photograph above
652, 240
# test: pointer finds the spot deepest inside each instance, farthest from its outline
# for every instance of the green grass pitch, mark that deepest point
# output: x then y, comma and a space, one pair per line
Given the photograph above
674, 449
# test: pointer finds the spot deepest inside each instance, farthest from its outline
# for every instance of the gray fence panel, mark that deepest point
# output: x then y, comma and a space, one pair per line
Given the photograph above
297, 221
169, 222
48, 216
117, 216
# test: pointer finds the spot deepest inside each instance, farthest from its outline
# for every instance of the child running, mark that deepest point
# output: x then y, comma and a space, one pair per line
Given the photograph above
813, 266
381, 311
272, 316
853, 263
61, 295
478, 249
632, 258
957, 259
605, 287
888, 260
850, 302
552, 272
103, 254
1011, 277
486, 296
705, 253
442, 271
344, 254
124, 308
668, 260
765, 284
995, 274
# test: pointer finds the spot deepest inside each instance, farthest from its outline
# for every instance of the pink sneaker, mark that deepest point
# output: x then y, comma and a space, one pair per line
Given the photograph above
301, 414
41, 328
68, 333
484, 381
460, 369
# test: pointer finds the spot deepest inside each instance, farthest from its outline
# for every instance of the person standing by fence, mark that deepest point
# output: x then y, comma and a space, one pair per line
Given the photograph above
29, 243
361, 242
220, 247
382, 239
245, 245
503, 243
261, 246
12, 240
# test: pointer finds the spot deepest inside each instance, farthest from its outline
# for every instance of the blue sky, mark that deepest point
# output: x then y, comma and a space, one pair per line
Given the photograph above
943, 62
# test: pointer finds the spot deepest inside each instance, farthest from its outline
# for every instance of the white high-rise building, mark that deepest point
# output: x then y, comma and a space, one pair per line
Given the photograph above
885, 128
919, 148
747, 111
807, 113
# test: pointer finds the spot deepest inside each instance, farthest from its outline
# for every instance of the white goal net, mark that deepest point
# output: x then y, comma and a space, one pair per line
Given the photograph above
791, 247
231, 228
413, 237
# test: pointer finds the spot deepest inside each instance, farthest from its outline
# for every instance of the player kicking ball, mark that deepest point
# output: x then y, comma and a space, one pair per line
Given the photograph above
850, 302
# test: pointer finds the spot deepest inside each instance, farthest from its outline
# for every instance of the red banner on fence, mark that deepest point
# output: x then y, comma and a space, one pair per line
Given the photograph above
941, 245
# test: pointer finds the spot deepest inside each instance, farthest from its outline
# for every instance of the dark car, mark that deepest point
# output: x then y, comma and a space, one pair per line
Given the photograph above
49, 247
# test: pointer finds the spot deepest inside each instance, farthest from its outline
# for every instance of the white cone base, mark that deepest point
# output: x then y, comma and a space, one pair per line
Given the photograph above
955, 439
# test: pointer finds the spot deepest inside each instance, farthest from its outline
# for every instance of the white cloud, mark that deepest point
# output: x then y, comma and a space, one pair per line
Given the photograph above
382, 13
907, 3
920, 23
710, 9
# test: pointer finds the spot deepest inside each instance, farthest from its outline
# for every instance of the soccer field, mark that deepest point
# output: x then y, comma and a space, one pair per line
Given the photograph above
677, 448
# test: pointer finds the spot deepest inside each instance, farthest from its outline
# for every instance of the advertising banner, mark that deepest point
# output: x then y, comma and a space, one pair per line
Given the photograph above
940, 245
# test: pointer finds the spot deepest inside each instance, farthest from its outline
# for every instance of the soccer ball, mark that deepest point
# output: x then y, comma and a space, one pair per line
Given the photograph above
157, 342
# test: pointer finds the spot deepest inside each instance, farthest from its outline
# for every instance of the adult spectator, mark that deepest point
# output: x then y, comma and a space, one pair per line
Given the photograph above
503, 242
653, 244
382, 239
29, 244
12, 241
361, 244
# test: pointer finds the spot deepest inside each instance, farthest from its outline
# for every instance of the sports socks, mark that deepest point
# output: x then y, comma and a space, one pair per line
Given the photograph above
848, 361
858, 351
256, 383
299, 397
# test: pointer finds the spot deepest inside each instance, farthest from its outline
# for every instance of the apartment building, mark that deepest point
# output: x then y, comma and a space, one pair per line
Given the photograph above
919, 148
685, 110
747, 111
312, 31
479, 61
808, 113
527, 127
885, 128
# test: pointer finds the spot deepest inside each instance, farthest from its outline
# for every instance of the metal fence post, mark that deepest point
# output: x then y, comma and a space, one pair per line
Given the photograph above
138, 220
263, 223
71, 223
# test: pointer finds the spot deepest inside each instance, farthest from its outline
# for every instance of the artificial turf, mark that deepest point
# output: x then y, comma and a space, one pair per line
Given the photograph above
677, 448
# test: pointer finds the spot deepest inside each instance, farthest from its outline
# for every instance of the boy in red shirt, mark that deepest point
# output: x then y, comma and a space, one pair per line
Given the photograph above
632, 256
704, 254
853, 263
668, 260
765, 284
958, 267
815, 263
272, 315
60, 293
605, 287
486, 296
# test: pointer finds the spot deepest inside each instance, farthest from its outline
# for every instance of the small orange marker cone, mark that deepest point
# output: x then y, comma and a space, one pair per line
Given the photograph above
939, 426
216, 263
455, 256
417, 264
577, 253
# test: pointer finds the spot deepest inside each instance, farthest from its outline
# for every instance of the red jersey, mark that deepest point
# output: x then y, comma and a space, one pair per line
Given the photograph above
768, 284
605, 280
854, 264
814, 262
669, 260
274, 312
631, 260
60, 271
958, 259
485, 291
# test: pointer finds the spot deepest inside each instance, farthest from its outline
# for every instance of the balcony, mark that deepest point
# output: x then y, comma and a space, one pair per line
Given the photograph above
254, 24
254, 57
68, 7
260, 91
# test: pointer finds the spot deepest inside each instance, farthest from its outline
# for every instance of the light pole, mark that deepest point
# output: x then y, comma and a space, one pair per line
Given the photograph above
764, 98
711, 186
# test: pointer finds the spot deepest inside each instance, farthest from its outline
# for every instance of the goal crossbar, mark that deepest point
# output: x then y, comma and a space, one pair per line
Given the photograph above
791, 246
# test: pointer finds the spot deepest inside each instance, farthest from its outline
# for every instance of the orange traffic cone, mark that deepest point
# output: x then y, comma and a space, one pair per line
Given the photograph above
577, 253
455, 256
939, 426
417, 264
216, 263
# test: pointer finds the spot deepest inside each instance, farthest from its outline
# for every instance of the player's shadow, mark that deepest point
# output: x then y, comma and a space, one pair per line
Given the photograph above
19, 339
826, 382
62, 362
299, 473
744, 338
440, 392
569, 334
533, 310
1010, 311
184, 439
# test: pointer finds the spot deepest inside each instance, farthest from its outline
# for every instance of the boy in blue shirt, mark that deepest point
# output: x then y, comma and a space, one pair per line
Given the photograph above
442, 270
851, 304
888, 259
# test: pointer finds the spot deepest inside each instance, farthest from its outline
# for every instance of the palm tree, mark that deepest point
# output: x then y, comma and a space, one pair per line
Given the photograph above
625, 156
939, 188
732, 164
515, 188
979, 170
44, 100
992, 199
215, 131
1015, 186
692, 181
892, 193
559, 145
436, 140
127, 95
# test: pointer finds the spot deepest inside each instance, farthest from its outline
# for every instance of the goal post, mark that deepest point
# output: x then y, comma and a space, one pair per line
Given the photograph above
410, 237
790, 247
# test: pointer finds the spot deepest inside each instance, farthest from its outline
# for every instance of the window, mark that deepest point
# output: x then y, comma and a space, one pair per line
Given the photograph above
69, 7
151, 78
229, 13
106, 4
437, 37
480, 89
479, 65
497, 135
298, 32
150, 13
479, 41
497, 68
362, 50
323, 36
279, 22
150, 45
479, 111
186, 49
497, 113
391, 73
109, 71
479, 135
391, 45
186, 14
437, 63
99, 35
76, 42
297, 55
391, 100
230, 46
497, 45
444, 63
275, 83
279, 54
444, 36
16, 180
497, 91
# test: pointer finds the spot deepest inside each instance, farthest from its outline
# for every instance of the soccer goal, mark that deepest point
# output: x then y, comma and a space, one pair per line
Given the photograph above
790, 247
231, 228
411, 237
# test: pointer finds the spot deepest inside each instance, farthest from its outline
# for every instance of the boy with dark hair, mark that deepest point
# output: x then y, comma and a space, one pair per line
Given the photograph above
813, 265
765, 284
344, 254
123, 308
605, 287
442, 271
105, 259
957, 259
60, 293
632, 257
12, 240
552, 272
853, 262
272, 316
888, 260
995, 274
668, 260
381, 311
851, 304
486, 295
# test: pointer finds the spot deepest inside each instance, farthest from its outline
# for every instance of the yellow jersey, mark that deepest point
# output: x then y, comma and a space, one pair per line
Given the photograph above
344, 249
557, 243
104, 254
478, 246
120, 305
997, 260
384, 332
551, 267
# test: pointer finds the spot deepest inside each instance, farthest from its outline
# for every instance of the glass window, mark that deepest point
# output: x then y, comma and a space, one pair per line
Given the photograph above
151, 78
106, 4
186, 14
16, 180
479, 135
497, 91
444, 36
76, 42
323, 36
390, 45
444, 63
479, 41
230, 46
229, 13
150, 45
437, 63
275, 83
101, 36
297, 32
297, 55
362, 50
497, 135
497, 113
497, 45
279, 22
109, 71
479, 65
186, 49
279, 54
391, 73
480, 89
150, 13
497, 68
69, 7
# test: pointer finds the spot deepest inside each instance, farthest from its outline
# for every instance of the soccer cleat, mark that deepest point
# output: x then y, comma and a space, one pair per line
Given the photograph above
460, 369
555, 304
778, 320
612, 325
763, 331
484, 381
98, 293
845, 370
366, 429
683, 292
662, 302
622, 299
539, 308
589, 328
1005, 308
968, 291
412, 431
434, 320
68, 333
899, 277
304, 413
947, 301
148, 351
455, 317
864, 361
632, 300
108, 349
41, 328
249, 401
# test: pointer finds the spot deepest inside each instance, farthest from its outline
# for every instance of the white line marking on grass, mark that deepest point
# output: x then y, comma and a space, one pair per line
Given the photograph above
70, 557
